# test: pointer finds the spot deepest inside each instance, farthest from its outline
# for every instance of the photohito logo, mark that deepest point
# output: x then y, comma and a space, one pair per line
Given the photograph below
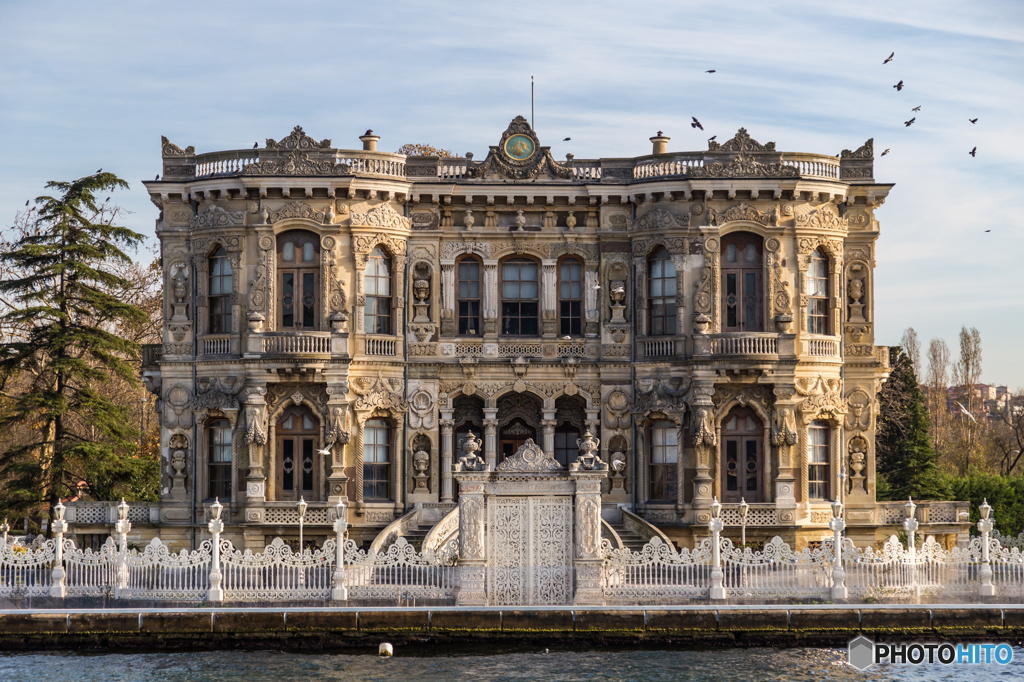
865, 653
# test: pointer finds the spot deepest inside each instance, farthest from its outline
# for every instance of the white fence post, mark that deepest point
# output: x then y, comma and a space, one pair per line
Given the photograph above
122, 527
58, 586
216, 527
986, 589
838, 574
338, 591
715, 526
5, 528
910, 526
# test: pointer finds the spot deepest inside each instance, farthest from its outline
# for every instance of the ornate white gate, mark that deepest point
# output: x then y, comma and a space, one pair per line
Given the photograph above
531, 550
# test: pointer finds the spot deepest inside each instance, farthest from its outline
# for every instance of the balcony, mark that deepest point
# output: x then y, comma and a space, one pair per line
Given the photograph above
745, 343
821, 347
295, 343
386, 346
217, 345
151, 354
664, 347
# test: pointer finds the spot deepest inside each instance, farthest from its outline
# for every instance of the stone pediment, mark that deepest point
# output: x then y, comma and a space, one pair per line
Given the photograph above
298, 139
519, 156
530, 457
742, 142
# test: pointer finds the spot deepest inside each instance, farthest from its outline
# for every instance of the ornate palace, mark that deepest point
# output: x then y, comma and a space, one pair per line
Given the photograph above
348, 325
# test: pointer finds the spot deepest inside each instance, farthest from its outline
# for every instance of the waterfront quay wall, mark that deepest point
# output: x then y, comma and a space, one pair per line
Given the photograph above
426, 628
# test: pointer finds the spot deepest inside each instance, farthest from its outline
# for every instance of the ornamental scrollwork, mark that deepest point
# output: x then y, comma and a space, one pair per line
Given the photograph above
740, 211
381, 216
298, 139
500, 162
297, 163
297, 209
823, 218
660, 395
743, 167
379, 394
168, 148
453, 249
365, 243
741, 142
660, 219
865, 151
530, 457
215, 216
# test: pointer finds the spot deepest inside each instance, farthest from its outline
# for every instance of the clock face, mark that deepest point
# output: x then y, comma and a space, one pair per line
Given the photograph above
519, 147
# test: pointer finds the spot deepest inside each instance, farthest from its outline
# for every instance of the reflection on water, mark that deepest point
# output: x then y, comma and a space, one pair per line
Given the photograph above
423, 663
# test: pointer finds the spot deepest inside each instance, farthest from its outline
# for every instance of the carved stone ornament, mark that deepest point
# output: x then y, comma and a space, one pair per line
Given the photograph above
660, 394
588, 459
824, 217
215, 216
170, 149
519, 156
743, 167
865, 151
296, 209
740, 211
297, 163
741, 142
378, 395
530, 457
381, 216
660, 219
421, 405
424, 221
298, 139
453, 249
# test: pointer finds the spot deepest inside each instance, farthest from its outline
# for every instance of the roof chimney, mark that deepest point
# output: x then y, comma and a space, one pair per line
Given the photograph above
369, 141
660, 142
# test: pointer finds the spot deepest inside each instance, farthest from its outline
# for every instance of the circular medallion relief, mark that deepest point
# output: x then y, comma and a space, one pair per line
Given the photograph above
519, 147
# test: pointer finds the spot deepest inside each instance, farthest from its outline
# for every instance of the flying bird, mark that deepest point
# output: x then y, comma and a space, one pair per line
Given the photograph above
696, 123
910, 122
973, 151
889, 58
710, 71
898, 86
566, 139
964, 410
885, 152
988, 230
26, 202
973, 120
324, 452
916, 109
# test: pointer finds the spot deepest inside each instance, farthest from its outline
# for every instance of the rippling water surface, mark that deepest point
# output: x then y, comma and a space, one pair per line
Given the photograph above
725, 665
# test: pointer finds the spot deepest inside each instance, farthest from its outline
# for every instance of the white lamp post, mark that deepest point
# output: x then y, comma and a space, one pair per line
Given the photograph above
302, 505
910, 526
5, 528
715, 525
986, 589
744, 508
216, 527
837, 525
60, 526
122, 527
339, 592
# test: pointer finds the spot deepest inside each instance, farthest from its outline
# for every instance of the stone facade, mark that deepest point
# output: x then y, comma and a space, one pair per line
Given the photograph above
707, 315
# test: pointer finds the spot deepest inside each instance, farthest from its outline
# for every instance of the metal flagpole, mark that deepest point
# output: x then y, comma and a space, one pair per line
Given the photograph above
532, 123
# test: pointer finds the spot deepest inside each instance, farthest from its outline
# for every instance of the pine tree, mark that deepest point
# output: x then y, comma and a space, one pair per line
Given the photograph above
905, 456
60, 346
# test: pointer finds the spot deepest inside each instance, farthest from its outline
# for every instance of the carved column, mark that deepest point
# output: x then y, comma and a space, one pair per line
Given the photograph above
472, 547
491, 437
641, 464
591, 310
803, 262
447, 425
640, 298
784, 438
835, 284
398, 447
587, 559
337, 438
679, 263
704, 437
680, 449
399, 293
490, 297
360, 291
255, 437
549, 298
358, 463
447, 298
549, 423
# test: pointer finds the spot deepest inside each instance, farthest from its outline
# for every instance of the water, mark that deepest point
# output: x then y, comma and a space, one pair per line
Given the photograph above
718, 665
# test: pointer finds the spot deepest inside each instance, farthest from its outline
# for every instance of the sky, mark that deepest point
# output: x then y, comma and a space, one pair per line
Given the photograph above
94, 85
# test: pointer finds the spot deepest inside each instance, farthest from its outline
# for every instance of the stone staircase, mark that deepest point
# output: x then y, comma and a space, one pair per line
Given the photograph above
413, 527
630, 539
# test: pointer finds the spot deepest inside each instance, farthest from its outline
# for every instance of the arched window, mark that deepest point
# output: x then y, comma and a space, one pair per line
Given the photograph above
299, 269
743, 441
469, 297
376, 460
377, 284
742, 282
519, 303
661, 285
817, 294
298, 439
221, 284
664, 455
819, 462
566, 450
219, 458
570, 297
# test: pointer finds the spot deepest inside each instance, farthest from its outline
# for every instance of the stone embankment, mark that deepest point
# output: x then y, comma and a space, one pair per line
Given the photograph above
316, 629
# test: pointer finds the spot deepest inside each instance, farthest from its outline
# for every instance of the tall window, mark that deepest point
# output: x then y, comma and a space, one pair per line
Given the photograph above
220, 292
664, 455
662, 294
566, 450
519, 304
469, 297
818, 465
742, 282
817, 294
743, 438
299, 272
219, 458
377, 283
570, 294
376, 460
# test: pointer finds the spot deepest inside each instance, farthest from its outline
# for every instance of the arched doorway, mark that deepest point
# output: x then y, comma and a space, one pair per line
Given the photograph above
742, 456
742, 277
298, 439
512, 437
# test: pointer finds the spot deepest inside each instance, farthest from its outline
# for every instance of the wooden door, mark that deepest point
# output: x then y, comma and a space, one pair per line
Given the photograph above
297, 474
742, 456
512, 437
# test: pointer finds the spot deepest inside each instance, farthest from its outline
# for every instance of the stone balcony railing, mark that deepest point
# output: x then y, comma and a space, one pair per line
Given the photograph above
151, 354
296, 344
893, 513
85, 513
257, 162
744, 343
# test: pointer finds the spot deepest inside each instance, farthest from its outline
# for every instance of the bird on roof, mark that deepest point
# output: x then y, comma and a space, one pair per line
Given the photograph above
157, 177
885, 152
916, 109
712, 138
973, 120
99, 171
910, 122
255, 145
973, 152
889, 58
964, 410
898, 86
566, 139
710, 71
696, 123
368, 132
